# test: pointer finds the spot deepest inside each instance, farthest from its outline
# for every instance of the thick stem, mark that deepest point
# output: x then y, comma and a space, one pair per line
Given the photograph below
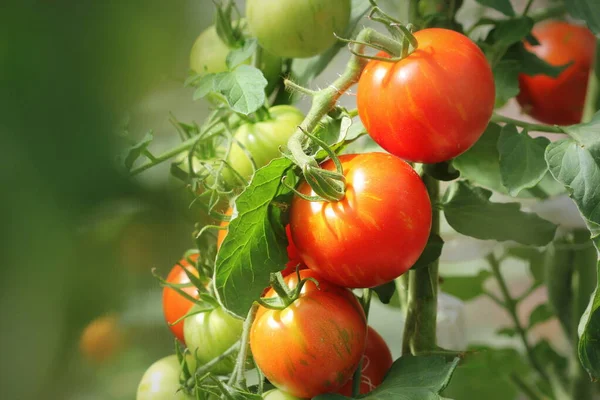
510, 305
421, 314
529, 126
527, 7
238, 375
357, 377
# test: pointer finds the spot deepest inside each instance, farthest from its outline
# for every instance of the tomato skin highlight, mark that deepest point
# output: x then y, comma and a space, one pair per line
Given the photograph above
558, 100
315, 344
161, 381
376, 362
434, 104
375, 233
175, 305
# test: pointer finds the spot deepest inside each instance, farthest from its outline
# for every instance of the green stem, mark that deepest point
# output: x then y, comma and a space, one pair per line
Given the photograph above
593, 89
510, 305
203, 369
526, 388
550, 12
238, 375
357, 377
529, 126
527, 7
421, 313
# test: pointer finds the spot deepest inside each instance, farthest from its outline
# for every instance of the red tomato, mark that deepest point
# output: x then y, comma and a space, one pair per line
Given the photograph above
175, 305
432, 105
559, 100
314, 345
375, 233
102, 339
376, 362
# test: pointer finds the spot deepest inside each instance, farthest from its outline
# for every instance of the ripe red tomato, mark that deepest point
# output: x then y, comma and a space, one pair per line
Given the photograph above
102, 339
558, 100
314, 345
376, 362
175, 305
375, 233
434, 104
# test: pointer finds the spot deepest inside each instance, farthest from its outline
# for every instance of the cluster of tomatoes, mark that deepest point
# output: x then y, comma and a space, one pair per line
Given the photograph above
428, 107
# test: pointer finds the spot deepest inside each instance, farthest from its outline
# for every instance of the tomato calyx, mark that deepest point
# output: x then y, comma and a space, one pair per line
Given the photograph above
285, 295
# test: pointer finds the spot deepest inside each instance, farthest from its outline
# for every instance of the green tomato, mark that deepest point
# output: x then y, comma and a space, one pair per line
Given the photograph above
208, 335
161, 381
262, 140
277, 394
209, 53
292, 28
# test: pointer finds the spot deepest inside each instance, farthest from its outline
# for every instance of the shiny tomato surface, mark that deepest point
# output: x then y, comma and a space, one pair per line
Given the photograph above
434, 104
314, 345
558, 100
175, 305
375, 233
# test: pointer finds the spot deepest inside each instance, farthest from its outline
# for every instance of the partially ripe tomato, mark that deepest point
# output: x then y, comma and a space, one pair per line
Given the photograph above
432, 105
102, 339
208, 335
375, 233
175, 305
277, 394
558, 100
376, 362
292, 28
262, 140
161, 381
314, 345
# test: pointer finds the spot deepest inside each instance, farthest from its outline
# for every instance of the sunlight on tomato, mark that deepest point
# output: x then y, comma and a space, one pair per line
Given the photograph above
314, 345
102, 339
375, 233
558, 100
432, 105
175, 305
277, 394
161, 381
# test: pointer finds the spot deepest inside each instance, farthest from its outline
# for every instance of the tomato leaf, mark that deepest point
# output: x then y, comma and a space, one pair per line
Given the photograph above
239, 56
433, 251
465, 287
251, 250
442, 171
541, 313
469, 211
485, 374
244, 88
506, 80
546, 355
508, 32
305, 69
137, 150
587, 10
385, 292
410, 378
531, 64
503, 6
506, 331
522, 163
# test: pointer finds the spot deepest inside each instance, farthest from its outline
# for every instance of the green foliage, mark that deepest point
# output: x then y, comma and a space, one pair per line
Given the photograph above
433, 251
137, 150
410, 378
541, 313
465, 287
503, 6
587, 10
251, 248
240, 55
470, 212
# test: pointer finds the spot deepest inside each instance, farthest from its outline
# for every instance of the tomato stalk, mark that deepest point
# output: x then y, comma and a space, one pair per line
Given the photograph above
421, 308
357, 377
238, 375
593, 90
204, 369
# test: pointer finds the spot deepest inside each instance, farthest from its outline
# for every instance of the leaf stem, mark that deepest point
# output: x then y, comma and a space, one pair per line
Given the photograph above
510, 305
238, 375
421, 311
203, 369
527, 125
527, 7
357, 377
526, 388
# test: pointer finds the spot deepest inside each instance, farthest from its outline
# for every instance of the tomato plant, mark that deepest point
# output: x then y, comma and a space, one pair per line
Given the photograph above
161, 381
290, 28
175, 306
376, 362
558, 100
261, 140
313, 345
334, 238
208, 334
432, 105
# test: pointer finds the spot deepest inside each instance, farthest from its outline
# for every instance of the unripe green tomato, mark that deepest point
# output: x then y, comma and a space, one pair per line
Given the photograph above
161, 381
209, 53
262, 140
208, 335
297, 29
277, 394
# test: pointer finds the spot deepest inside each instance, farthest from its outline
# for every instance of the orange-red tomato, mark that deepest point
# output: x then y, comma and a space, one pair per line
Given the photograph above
102, 339
558, 100
434, 104
376, 362
375, 233
175, 305
314, 345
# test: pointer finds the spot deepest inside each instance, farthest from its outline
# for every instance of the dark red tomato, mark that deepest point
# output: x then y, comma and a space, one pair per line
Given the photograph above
432, 105
175, 305
558, 100
375, 233
314, 345
376, 362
